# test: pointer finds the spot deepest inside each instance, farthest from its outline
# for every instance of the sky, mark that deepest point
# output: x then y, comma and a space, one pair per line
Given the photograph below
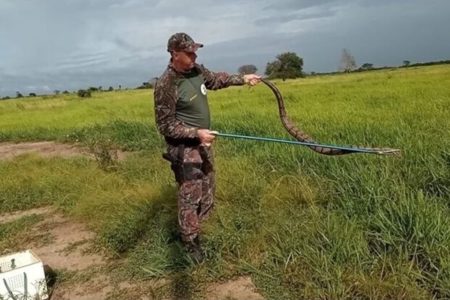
48, 45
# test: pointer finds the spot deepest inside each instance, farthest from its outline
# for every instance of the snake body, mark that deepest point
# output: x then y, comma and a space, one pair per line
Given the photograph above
303, 137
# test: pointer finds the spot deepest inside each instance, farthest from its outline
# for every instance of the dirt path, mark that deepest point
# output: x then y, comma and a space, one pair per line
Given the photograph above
240, 288
65, 245
6, 218
47, 149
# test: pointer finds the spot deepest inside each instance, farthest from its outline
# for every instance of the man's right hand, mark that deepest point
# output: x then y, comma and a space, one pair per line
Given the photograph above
206, 136
252, 79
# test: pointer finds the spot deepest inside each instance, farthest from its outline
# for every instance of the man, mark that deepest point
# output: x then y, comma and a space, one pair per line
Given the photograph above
183, 118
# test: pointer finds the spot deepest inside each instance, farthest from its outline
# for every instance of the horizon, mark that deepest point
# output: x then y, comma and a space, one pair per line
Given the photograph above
125, 88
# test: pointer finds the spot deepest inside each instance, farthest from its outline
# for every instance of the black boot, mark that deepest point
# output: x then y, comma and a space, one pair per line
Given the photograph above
195, 251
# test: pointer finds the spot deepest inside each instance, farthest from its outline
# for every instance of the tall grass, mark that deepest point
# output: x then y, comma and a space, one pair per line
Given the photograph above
304, 226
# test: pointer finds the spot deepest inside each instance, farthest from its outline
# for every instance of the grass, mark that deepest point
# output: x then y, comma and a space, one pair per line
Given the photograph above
303, 226
14, 233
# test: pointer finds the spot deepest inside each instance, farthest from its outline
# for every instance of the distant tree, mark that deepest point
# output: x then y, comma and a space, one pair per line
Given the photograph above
6, 98
110, 89
348, 62
19, 95
287, 65
32, 94
92, 89
153, 81
100, 88
145, 85
366, 66
120, 87
84, 93
247, 69
65, 92
406, 63
56, 92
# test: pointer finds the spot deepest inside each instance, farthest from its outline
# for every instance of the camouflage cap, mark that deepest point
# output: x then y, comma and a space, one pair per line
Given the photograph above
182, 42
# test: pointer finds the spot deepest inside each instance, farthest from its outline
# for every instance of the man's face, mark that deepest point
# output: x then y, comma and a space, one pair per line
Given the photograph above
184, 60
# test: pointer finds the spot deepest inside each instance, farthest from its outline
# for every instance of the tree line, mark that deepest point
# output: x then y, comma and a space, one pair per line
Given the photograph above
83, 93
287, 65
290, 65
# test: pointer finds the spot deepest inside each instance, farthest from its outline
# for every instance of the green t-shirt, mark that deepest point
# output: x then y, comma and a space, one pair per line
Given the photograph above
192, 104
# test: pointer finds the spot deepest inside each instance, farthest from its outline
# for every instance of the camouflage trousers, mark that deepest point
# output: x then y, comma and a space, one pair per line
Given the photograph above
196, 186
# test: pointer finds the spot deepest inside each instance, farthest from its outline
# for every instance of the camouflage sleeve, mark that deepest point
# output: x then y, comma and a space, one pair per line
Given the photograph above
166, 121
214, 81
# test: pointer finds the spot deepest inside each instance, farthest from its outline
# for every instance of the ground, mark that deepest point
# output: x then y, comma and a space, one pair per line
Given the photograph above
45, 149
76, 268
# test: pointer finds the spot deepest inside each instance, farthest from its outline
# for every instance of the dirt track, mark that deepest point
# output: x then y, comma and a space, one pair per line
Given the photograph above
47, 149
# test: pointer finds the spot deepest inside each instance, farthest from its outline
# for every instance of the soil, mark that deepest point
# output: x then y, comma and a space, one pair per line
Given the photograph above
239, 288
66, 245
47, 149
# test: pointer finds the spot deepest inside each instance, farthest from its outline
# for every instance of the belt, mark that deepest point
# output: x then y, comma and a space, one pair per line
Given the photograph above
190, 142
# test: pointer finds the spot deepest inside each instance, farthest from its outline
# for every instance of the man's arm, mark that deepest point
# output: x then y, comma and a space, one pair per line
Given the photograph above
219, 80
214, 81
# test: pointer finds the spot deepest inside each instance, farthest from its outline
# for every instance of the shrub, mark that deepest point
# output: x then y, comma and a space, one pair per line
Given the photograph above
84, 93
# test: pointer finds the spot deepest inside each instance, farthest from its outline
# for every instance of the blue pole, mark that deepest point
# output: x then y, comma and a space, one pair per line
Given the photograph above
352, 149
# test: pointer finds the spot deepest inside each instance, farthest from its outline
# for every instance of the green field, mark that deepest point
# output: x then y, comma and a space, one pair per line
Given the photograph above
302, 225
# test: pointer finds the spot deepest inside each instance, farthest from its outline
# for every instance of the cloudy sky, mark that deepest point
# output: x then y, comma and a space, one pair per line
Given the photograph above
48, 45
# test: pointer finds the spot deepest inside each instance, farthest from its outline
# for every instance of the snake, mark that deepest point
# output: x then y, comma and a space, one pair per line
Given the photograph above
301, 136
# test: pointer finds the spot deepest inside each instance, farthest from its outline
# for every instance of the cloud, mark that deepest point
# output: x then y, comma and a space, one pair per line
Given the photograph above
71, 44
82, 61
306, 15
296, 5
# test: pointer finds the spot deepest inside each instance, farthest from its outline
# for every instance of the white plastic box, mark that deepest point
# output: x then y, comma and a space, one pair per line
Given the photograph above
22, 277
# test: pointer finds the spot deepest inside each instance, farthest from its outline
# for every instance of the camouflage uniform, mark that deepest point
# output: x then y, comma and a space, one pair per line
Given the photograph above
180, 109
